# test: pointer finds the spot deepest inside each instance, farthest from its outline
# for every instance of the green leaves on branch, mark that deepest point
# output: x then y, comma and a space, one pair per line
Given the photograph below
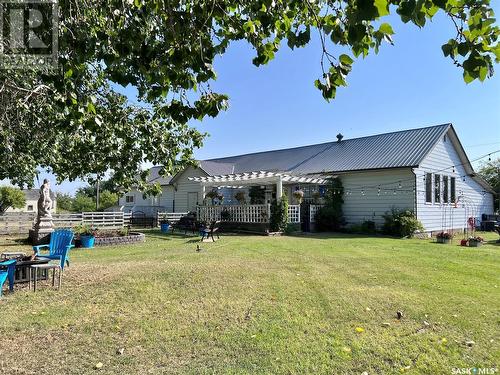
79, 125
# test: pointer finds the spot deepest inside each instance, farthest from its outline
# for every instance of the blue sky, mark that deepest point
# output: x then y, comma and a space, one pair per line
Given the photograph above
408, 85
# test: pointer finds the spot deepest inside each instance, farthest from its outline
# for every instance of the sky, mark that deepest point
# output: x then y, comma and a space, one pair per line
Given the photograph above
408, 85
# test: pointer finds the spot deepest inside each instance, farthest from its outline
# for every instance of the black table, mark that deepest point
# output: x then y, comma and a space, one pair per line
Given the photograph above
22, 274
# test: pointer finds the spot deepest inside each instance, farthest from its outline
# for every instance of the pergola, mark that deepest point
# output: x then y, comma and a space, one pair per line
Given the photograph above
254, 178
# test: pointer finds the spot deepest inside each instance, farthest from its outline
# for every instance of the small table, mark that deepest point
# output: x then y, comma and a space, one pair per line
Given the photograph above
33, 273
12, 254
23, 270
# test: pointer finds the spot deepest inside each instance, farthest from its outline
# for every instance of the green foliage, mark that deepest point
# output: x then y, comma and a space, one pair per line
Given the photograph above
64, 202
79, 125
292, 228
279, 215
368, 227
330, 216
11, 197
257, 195
401, 223
82, 203
85, 230
490, 172
107, 199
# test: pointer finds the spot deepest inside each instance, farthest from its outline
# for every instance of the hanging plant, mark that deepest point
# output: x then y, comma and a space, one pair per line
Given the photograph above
298, 195
240, 197
213, 194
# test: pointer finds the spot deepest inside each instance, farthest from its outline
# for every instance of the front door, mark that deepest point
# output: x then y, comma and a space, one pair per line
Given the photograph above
192, 201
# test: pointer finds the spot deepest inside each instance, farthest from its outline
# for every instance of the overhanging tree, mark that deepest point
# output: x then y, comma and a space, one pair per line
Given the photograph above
74, 122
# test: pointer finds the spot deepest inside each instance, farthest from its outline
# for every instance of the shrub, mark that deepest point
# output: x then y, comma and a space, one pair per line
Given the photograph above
292, 227
330, 217
279, 215
368, 227
401, 223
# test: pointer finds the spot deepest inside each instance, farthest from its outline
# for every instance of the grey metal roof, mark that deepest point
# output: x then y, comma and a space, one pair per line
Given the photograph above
404, 148
154, 176
214, 168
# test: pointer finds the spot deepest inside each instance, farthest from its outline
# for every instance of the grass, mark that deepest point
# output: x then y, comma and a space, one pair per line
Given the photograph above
322, 304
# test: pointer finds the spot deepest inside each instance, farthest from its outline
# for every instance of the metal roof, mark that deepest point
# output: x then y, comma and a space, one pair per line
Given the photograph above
405, 148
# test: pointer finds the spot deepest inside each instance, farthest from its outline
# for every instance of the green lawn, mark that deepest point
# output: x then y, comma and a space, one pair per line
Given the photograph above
260, 305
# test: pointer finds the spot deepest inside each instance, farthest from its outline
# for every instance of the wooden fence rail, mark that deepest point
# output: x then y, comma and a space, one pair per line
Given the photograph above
21, 223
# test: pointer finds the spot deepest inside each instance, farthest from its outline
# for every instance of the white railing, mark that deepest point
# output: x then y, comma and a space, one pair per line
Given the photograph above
172, 217
313, 210
294, 213
246, 213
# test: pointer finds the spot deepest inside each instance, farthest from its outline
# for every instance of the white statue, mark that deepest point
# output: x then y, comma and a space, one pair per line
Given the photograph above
44, 201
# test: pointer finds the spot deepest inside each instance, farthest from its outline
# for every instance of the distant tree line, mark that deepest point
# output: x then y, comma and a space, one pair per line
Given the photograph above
85, 198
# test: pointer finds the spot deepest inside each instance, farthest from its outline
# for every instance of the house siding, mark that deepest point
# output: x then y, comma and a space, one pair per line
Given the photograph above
473, 199
362, 200
185, 186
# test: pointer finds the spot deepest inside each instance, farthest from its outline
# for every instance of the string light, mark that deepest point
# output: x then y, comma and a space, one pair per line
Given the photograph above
453, 169
489, 157
399, 185
362, 191
378, 190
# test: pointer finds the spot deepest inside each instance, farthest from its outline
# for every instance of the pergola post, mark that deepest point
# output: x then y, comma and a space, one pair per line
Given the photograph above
279, 188
202, 194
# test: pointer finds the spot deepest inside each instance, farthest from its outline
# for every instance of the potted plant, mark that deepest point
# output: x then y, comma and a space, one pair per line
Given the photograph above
475, 241
298, 195
164, 225
444, 237
213, 195
240, 197
87, 235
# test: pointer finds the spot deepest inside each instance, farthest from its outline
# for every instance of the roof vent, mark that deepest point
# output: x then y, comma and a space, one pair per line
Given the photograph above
339, 137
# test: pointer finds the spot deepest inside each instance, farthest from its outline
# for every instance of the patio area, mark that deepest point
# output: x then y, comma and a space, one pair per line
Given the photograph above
272, 185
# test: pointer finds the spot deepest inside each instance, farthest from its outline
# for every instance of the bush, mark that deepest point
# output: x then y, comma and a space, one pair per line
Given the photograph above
368, 227
279, 215
401, 223
292, 227
330, 217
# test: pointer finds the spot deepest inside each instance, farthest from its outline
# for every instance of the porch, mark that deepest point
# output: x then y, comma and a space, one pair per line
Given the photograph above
256, 215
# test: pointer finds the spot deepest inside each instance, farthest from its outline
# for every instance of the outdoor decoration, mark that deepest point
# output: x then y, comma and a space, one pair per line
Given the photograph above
240, 197
87, 235
444, 237
42, 225
164, 225
475, 241
298, 195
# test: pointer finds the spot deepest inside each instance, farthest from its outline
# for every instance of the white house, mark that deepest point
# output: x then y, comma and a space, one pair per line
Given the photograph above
425, 170
32, 196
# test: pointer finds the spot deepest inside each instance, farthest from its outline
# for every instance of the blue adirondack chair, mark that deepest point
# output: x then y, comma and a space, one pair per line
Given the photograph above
59, 246
7, 269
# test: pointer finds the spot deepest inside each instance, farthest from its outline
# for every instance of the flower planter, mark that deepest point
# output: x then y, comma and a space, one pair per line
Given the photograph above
473, 243
443, 240
164, 228
87, 241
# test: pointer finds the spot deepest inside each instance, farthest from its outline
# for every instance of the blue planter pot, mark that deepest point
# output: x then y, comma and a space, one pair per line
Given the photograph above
87, 241
164, 228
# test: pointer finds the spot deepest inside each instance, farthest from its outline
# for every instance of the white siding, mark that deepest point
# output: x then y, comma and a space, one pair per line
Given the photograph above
184, 187
362, 200
473, 200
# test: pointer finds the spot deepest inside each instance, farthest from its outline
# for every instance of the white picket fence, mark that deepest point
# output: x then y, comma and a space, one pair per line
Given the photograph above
246, 213
313, 210
19, 223
294, 213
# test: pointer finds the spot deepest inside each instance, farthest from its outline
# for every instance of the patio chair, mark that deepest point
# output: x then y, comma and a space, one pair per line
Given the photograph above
59, 246
7, 270
213, 228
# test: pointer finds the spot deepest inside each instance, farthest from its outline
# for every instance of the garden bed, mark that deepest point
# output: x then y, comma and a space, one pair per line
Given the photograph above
115, 238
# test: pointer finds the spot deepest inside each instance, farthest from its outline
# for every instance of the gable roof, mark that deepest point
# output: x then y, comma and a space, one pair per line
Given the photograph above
34, 194
405, 148
400, 149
